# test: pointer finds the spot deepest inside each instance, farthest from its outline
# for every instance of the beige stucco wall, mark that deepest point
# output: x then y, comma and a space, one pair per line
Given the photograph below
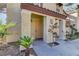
77, 21
14, 15
26, 22
50, 6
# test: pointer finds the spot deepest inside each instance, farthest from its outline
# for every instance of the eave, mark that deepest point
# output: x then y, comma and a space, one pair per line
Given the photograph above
42, 10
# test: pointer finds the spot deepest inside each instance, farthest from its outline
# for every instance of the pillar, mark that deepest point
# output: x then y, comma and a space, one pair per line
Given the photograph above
77, 21
25, 24
62, 30
48, 37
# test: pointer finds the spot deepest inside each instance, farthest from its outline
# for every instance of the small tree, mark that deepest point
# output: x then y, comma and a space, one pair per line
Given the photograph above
4, 32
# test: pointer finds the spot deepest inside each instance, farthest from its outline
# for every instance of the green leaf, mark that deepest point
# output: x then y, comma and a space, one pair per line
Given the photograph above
25, 41
10, 25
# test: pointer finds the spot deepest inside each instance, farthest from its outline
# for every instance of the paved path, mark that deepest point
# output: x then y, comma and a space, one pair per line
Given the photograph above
70, 48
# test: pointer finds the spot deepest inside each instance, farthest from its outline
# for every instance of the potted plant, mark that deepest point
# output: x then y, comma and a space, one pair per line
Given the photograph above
26, 42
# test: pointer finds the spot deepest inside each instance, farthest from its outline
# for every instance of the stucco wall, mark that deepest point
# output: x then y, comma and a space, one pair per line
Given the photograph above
77, 23
50, 6
26, 22
14, 15
62, 29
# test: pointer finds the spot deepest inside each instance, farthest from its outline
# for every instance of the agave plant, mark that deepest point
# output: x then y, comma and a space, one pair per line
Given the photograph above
26, 41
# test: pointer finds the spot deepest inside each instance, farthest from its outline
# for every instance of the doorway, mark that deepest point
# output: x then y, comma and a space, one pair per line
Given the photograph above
37, 26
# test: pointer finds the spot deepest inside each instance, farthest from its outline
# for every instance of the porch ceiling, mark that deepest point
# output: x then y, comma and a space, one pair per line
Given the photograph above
38, 9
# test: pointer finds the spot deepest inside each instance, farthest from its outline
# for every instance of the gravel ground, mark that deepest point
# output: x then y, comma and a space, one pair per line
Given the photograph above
12, 49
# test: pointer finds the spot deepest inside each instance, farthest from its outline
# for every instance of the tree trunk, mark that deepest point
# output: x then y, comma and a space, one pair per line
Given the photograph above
3, 40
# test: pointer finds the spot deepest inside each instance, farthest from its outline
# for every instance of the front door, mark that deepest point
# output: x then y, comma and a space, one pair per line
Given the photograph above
37, 26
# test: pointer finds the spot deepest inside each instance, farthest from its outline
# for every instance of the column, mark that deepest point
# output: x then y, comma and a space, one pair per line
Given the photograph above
62, 30
48, 37
77, 21
25, 24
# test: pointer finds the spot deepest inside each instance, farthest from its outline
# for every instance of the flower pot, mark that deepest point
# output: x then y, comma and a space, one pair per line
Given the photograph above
27, 51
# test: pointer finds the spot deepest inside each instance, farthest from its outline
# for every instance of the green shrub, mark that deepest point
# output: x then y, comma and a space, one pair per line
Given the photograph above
25, 41
4, 27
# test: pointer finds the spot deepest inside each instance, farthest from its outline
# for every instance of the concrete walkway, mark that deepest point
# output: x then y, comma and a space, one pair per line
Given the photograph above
65, 48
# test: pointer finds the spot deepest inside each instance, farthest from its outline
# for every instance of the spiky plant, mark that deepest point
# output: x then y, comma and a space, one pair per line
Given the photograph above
26, 41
